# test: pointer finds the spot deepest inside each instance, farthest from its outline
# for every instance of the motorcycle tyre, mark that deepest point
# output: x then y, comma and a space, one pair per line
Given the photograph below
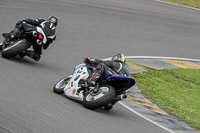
60, 90
102, 101
15, 49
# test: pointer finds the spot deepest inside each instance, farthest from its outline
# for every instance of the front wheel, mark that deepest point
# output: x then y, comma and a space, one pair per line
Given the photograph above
15, 48
60, 85
105, 95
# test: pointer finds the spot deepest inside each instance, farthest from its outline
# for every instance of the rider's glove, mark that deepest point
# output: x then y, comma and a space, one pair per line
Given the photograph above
87, 59
90, 61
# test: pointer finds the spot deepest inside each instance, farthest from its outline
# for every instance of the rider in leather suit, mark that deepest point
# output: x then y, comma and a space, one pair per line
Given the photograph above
104, 68
48, 27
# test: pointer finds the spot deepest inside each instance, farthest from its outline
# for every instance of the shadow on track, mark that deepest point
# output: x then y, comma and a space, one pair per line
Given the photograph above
36, 64
111, 113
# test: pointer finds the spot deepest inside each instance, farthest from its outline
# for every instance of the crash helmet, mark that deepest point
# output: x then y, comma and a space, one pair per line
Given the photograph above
53, 20
119, 58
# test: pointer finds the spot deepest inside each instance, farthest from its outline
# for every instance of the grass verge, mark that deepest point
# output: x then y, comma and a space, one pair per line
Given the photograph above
175, 90
190, 3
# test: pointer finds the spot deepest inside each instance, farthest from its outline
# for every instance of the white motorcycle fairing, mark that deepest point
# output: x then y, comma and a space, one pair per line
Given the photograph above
71, 89
107, 91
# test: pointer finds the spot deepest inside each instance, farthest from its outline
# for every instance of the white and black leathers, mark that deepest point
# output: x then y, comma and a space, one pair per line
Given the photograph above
47, 29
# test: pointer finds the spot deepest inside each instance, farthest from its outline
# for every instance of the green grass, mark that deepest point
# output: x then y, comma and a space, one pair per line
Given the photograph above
191, 3
175, 90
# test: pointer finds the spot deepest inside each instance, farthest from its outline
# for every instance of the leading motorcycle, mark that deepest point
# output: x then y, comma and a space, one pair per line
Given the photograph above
107, 91
16, 45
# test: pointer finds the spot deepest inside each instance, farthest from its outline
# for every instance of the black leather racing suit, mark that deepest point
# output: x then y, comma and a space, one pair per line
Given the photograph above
49, 33
104, 68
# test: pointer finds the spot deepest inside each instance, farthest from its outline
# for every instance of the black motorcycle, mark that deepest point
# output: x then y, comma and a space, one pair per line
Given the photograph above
14, 45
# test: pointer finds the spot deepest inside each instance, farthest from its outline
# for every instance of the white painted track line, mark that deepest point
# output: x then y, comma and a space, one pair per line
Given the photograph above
146, 118
157, 57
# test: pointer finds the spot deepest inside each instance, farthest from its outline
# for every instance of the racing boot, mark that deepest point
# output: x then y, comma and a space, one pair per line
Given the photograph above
92, 81
108, 106
12, 34
21, 55
30, 54
8, 36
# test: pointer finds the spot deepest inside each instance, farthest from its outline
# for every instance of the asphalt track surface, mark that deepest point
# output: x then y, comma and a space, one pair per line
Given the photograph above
96, 28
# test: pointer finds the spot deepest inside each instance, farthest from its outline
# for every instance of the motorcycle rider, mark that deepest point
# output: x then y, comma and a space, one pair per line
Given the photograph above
103, 68
48, 27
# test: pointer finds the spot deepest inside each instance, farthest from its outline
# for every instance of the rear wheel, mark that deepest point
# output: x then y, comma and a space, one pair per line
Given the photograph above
60, 85
104, 96
15, 48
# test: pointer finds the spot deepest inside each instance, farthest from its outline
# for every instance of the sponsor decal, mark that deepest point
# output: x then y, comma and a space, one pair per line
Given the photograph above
74, 90
78, 66
116, 75
69, 91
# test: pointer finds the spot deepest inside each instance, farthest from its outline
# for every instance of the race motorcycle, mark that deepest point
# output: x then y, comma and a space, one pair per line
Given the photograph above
16, 45
107, 91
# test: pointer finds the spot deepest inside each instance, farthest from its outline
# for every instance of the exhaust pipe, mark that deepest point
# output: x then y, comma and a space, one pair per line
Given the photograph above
123, 96
39, 42
120, 97
34, 33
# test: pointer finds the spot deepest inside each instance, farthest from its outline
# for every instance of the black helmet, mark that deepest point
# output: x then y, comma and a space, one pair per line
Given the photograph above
119, 57
53, 20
